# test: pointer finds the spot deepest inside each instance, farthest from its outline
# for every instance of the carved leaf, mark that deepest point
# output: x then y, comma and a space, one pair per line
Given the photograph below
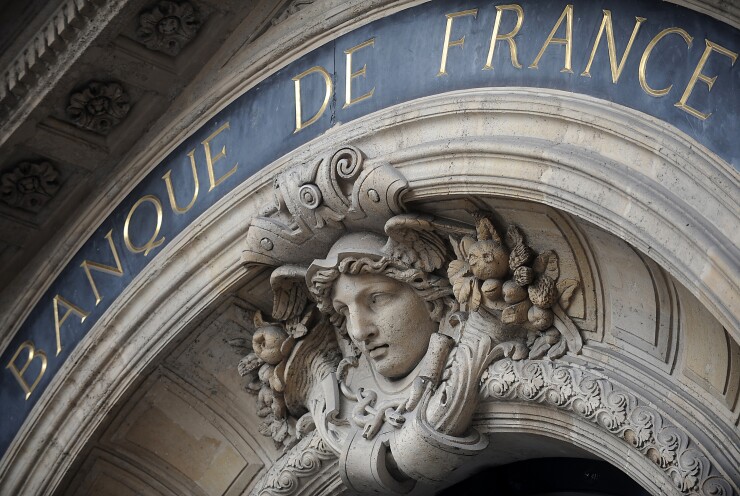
539, 348
558, 350
456, 247
547, 263
566, 289
457, 269
249, 364
264, 429
516, 350
259, 321
462, 288
515, 314
484, 228
298, 330
514, 237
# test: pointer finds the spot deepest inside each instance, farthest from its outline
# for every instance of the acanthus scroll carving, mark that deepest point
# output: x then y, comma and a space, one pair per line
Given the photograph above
388, 327
619, 412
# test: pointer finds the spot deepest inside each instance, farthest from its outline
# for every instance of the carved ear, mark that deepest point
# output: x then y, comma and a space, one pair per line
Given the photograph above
290, 293
413, 240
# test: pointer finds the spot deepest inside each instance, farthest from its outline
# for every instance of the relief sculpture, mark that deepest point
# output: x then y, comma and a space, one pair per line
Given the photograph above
385, 321
390, 326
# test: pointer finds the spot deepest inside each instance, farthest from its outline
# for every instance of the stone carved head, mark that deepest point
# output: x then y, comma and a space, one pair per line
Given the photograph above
387, 307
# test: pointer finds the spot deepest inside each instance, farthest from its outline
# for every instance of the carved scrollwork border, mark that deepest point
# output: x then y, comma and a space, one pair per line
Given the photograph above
304, 462
614, 409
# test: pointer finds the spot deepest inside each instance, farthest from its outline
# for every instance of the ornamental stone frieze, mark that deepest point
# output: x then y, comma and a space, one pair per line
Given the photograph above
99, 107
29, 185
168, 26
389, 328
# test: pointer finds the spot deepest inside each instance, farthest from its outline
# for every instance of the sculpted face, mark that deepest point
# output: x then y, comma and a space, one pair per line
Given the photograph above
386, 319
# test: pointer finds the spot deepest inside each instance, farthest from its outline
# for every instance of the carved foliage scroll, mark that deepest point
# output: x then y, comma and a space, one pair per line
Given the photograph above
615, 410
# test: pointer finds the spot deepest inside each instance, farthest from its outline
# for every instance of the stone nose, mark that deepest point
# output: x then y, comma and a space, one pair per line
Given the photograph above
360, 325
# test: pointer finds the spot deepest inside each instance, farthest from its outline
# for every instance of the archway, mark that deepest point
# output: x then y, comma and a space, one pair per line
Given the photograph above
620, 186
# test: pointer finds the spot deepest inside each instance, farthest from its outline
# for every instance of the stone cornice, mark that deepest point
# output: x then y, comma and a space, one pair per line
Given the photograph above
36, 68
722, 10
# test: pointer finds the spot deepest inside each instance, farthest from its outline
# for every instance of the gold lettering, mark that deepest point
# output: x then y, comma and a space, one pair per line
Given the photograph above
171, 190
698, 76
348, 100
299, 124
71, 308
606, 24
18, 374
210, 160
153, 241
448, 31
509, 37
567, 41
108, 269
646, 56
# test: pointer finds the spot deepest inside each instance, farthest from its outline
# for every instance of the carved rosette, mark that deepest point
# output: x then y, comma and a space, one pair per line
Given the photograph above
29, 185
99, 106
618, 412
168, 26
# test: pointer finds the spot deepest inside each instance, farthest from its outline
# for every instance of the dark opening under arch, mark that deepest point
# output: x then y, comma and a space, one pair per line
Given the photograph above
549, 477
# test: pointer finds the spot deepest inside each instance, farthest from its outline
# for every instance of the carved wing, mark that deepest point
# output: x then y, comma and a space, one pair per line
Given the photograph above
290, 294
413, 240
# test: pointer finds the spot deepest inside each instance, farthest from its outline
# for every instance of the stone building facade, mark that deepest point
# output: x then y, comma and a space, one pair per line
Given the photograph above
376, 247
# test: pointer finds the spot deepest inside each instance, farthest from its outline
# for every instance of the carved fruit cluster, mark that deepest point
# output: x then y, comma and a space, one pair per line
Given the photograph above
511, 281
264, 369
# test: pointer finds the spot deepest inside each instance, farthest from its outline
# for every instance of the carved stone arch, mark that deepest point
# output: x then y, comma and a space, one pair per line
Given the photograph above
660, 198
432, 152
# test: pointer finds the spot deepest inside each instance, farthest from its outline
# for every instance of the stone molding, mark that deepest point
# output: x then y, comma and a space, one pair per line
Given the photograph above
69, 31
615, 411
307, 461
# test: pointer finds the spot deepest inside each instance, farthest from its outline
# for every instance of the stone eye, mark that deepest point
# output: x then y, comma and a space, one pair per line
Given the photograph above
378, 298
